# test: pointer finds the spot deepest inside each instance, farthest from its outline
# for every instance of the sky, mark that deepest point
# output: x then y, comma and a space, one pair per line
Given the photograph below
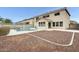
20, 13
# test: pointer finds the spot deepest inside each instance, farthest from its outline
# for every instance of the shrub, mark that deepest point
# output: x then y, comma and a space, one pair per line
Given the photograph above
4, 30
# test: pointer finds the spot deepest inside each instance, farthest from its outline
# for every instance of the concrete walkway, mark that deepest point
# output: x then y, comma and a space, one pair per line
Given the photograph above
77, 31
14, 32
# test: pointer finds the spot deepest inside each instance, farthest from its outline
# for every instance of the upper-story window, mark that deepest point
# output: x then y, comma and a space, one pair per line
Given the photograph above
45, 16
37, 18
27, 23
56, 14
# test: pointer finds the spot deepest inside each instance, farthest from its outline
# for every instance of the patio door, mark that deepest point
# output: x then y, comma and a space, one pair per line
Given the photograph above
49, 24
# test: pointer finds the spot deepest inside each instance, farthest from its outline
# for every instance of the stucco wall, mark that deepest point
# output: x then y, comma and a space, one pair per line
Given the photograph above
62, 17
52, 18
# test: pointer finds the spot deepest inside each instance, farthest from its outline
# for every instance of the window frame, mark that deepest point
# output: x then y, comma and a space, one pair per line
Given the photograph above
37, 18
41, 24
53, 24
57, 24
57, 14
27, 23
46, 16
61, 23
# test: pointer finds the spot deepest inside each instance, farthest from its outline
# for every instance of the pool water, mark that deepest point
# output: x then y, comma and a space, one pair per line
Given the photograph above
26, 28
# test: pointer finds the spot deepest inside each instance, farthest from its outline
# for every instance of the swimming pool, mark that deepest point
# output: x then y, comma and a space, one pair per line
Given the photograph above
26, 28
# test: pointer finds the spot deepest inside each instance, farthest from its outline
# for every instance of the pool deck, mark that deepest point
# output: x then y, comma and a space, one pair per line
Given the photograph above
14, 32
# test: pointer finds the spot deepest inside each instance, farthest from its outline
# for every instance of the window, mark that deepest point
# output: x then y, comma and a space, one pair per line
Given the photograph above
41, 24
37, 18
61, 23
45, 16
53, 24
57, 23
56, 14
27, 23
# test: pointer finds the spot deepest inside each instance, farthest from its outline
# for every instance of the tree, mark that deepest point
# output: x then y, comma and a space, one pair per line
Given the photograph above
1, 19
8, 21
5, 20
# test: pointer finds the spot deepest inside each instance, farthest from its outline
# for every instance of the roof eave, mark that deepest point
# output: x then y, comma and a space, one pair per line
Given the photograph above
67, 12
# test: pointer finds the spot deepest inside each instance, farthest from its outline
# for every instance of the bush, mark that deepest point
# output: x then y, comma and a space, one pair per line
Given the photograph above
4, 30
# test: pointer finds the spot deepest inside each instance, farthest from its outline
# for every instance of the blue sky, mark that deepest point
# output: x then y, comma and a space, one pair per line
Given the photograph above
19, 13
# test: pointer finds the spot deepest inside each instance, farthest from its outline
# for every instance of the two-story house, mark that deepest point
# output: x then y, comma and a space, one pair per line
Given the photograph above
58, 19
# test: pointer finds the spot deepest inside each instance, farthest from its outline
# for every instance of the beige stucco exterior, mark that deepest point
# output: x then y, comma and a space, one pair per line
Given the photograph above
64, 17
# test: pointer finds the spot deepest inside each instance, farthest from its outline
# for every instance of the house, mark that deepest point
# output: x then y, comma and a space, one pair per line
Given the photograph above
74, 25
58, 19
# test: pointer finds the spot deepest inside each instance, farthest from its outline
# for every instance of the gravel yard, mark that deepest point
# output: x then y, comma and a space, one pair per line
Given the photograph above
55, 36
25, 42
